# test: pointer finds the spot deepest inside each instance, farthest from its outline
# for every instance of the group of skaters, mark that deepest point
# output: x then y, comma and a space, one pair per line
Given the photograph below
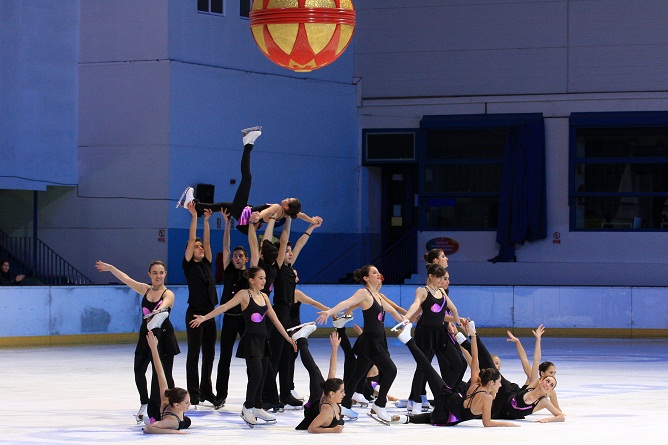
272, 335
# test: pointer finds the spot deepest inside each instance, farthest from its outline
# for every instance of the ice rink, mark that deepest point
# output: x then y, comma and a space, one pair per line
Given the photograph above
612, 391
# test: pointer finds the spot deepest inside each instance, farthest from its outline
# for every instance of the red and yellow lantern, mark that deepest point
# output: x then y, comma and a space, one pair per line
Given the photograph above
302, 35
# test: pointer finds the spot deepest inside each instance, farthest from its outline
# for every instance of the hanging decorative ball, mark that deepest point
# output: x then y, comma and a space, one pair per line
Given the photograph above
302, 35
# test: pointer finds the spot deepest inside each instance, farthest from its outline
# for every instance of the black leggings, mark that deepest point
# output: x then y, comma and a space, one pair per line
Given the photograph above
256, 368
441, 414
140, 366
388, 372
233, 325
243, 190
349, 364
315, 376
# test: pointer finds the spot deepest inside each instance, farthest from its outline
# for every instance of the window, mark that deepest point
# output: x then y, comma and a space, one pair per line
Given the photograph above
619, 171
388, 146
210, 6
461, 168
245, 8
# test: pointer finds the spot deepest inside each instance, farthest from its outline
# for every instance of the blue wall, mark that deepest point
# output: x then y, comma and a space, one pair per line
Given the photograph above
56, 311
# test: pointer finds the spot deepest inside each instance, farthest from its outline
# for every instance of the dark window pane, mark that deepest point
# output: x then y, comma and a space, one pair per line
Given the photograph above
203, 5
390, 146
468, 143
217, 6
244, 8
467, 178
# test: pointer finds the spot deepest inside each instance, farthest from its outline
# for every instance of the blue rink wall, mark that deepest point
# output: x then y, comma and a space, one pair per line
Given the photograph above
46, 313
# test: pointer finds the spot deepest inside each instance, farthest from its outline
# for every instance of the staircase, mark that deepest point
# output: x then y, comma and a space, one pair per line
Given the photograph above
38, 262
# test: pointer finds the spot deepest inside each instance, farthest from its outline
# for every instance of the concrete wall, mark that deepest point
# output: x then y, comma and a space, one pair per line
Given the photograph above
55, 312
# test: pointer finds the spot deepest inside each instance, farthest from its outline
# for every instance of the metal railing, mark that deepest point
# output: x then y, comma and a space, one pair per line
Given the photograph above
396, 263
337, 269
34, 258
399, 260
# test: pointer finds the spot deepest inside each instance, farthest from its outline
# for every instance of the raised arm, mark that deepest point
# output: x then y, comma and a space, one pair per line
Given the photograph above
192, 234
309, 219
285, 237
138, 287
526, 366
226, 238
253, 245
206, 236
301, 242
335, 341
537, 353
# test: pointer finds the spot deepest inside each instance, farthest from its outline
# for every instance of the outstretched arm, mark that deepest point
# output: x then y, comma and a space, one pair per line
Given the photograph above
199, 319
356, 299
420, 295
398, 309
138, 287
301, 242
526, 366
393, 308
303, 298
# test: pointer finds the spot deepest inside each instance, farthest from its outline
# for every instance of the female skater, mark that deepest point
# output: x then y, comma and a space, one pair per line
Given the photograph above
371, 346
450, 408
431, 335
322, 412
174, 401
544, 369
156, 305
254, 343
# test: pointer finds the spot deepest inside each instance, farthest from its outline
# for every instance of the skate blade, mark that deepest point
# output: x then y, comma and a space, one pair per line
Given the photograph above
362, 405
378, 419
294, 328
252, 425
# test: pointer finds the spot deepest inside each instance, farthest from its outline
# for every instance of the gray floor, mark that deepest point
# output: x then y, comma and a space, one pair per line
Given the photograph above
612, 391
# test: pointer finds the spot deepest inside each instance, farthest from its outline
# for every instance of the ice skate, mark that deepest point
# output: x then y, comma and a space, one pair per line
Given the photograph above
248, 416
296, 395
304, 332
349, 413
299, 326
400, 326
360, 399
263, 415
139, 417
290, 403
342, 320
379, 414
251, 134
187, 196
